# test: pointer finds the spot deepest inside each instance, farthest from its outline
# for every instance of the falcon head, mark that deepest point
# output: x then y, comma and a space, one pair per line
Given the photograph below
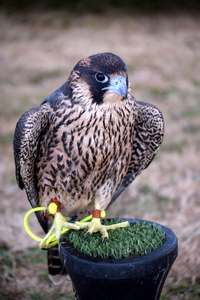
100, 78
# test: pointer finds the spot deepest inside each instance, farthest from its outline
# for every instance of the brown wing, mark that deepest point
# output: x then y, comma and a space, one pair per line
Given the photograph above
27, 135
147, 138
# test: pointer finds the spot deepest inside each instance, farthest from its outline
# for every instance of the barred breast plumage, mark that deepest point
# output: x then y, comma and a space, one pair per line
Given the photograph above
76, 162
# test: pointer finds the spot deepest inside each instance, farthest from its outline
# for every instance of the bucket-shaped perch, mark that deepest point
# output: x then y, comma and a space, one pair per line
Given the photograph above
138, 278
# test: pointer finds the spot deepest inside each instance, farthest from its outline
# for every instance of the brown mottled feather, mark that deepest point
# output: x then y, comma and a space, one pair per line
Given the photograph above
85, 141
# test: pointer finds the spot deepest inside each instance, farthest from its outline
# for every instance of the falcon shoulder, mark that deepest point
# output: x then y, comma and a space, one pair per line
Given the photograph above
58, 95
147, 137
27, 136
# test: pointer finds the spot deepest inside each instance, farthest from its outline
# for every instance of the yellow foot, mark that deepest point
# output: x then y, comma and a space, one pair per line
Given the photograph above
95, 226
59, 223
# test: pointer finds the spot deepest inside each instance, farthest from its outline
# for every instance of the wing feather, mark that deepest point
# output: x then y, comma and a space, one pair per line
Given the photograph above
27, 135
147, 138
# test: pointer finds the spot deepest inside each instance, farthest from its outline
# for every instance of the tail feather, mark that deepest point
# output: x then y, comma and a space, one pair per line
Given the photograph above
57, 272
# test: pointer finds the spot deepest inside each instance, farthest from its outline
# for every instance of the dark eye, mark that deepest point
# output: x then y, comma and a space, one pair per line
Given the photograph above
101, 77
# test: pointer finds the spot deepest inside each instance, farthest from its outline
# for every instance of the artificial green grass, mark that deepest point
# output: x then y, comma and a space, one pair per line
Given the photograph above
137, 239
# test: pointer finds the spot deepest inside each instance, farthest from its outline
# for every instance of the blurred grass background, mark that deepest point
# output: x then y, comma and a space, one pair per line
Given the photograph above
160, 43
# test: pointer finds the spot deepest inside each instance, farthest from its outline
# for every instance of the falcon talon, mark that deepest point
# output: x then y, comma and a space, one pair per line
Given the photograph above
86, 235
105, 240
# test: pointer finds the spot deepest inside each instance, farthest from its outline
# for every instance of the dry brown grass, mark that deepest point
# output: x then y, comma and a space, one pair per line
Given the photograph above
162, 53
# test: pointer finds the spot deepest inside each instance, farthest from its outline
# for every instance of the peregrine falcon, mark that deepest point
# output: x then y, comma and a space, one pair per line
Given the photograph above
84, 145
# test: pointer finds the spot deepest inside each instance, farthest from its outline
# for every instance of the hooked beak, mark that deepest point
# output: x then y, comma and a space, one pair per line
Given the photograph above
118, 86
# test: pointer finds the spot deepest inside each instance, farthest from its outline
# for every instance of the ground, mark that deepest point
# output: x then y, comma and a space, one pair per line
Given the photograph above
38, 50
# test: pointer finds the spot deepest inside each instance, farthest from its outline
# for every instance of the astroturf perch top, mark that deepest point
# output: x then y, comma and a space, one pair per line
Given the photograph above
84, 145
